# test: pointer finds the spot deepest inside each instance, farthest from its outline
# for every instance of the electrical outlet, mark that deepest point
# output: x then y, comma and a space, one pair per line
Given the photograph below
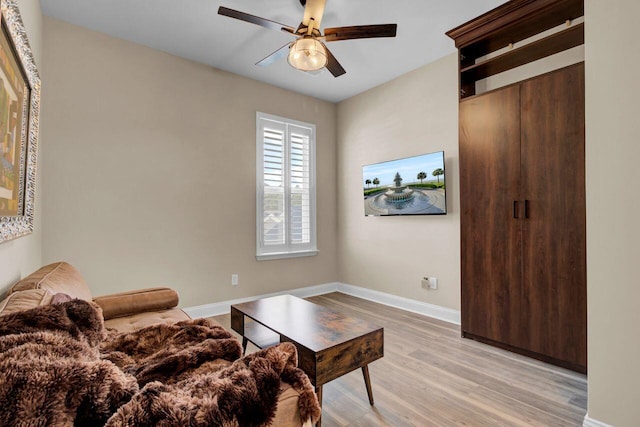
429, 282
234, 280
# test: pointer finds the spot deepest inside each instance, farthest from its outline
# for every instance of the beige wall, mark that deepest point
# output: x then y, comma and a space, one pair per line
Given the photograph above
151, 176
21, 256
613, 230
414, 114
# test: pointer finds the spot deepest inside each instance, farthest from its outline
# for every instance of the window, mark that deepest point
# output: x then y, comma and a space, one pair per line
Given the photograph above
286, 198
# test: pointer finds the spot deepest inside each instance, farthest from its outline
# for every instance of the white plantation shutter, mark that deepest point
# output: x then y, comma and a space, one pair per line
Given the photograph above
299, 178
273, 204
286, 188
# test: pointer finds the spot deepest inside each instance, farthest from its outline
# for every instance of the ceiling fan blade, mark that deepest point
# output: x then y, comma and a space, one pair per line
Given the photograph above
360, 32
313, 10
267, 23
275, 56
333, 65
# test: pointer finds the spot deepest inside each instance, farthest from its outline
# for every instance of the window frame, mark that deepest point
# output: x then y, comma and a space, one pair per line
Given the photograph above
288, 249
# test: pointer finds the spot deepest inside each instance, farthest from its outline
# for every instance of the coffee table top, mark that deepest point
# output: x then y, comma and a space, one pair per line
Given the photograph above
322, 327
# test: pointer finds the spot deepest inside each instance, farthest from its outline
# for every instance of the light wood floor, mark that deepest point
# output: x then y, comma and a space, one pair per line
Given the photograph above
430, 376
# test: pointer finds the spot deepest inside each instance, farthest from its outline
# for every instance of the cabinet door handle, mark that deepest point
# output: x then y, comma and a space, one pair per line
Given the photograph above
515, 209
526, 209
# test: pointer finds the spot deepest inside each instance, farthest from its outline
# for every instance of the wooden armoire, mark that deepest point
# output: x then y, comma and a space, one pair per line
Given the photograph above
522, 186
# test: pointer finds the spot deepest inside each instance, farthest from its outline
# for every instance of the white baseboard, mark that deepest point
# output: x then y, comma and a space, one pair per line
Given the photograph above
590, 422
419, 307
224, 307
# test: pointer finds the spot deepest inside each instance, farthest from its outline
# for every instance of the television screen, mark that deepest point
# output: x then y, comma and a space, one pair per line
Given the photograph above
410, 186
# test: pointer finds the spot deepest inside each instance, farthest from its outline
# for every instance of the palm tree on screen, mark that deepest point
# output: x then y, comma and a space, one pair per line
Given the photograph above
437, 174
368, 182
421, 176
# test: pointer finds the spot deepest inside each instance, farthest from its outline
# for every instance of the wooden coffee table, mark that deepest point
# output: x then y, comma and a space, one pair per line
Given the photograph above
329, 343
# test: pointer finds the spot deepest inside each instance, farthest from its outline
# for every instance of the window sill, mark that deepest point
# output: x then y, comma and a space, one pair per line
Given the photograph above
281, 255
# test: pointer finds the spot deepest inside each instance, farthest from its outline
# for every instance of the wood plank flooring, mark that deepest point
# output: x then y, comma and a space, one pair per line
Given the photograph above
430, 376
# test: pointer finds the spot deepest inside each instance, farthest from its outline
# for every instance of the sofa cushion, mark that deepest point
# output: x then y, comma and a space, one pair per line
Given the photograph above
288, 414
134, 302
25, 300
137, 321
59, 277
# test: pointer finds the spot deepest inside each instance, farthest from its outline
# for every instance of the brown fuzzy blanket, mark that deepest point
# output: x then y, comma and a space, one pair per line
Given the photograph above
51, 370
61, 368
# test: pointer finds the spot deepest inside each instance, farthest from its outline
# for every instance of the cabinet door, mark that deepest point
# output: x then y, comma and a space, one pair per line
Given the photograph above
554, 232
490, 235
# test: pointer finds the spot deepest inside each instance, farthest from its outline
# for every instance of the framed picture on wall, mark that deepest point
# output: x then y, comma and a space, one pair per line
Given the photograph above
19, 108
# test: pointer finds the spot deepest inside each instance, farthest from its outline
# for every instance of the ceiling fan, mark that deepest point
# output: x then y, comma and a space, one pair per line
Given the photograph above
309, 52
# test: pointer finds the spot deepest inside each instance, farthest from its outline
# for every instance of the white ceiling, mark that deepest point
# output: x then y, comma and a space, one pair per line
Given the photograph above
193, 29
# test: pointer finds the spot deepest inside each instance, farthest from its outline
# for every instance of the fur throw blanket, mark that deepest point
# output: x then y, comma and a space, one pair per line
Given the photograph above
61, 368
51, 370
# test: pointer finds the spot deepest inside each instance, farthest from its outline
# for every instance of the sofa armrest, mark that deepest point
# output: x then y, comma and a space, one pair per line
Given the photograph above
133, 302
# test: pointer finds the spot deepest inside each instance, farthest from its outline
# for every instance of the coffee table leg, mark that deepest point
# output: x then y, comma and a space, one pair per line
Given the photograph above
367, 382
319, 394
245, 341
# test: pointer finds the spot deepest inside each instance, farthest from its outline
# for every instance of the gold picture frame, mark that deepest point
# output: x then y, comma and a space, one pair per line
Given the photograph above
19, 123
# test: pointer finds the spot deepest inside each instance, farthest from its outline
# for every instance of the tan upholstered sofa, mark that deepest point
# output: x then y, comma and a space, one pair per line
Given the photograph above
124, 312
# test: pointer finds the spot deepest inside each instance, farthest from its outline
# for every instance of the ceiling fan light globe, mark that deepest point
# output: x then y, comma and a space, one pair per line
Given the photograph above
307, 54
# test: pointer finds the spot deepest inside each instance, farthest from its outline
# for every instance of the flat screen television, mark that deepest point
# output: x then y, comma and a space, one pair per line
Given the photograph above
410, 186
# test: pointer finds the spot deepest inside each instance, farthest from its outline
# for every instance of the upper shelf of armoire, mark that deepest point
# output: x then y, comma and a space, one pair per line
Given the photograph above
510, 23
